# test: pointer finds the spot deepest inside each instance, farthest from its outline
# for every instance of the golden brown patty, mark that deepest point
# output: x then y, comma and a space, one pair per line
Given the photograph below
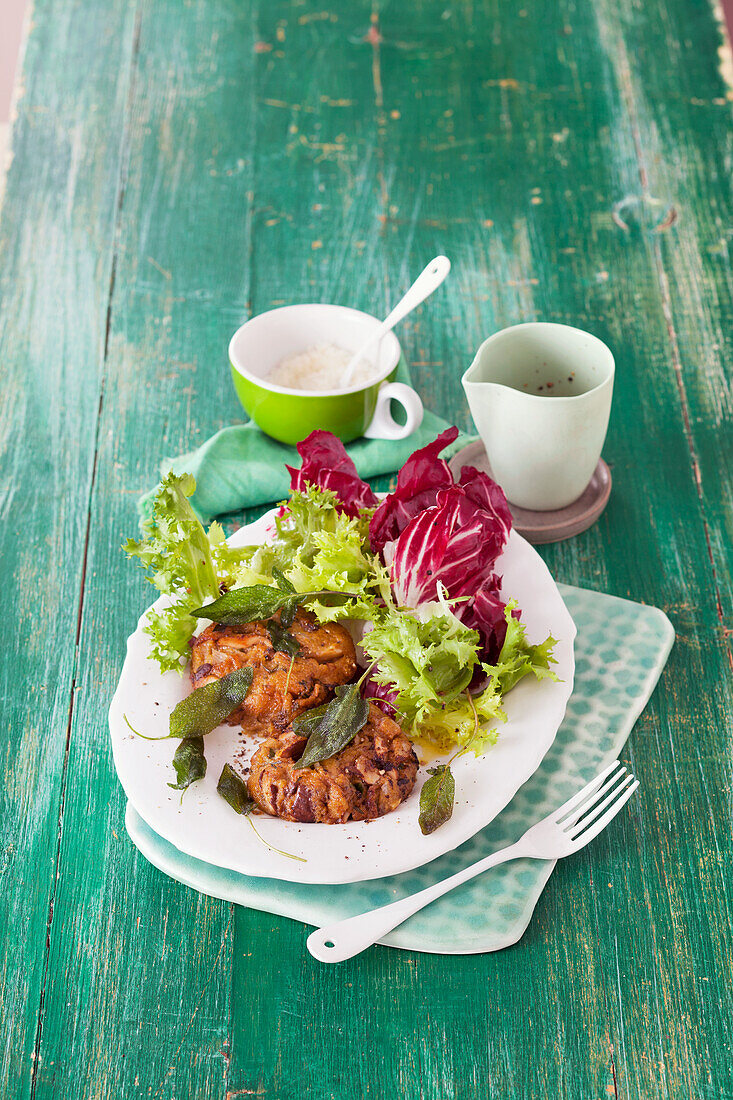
279, 692
367, 779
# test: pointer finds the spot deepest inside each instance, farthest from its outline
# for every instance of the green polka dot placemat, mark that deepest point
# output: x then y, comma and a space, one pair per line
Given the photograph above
620, 651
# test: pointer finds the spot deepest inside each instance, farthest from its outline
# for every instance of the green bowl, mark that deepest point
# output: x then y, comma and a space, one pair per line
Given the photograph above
290, 415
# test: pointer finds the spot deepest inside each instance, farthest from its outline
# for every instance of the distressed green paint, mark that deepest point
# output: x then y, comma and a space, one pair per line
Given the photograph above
56, 256
178, 168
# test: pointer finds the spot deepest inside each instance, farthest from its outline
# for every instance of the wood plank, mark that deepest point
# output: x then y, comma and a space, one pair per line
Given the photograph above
56, 238
685, 209
138, 987
679, 130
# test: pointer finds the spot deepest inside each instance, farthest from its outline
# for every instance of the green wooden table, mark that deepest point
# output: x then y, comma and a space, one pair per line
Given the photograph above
178, 166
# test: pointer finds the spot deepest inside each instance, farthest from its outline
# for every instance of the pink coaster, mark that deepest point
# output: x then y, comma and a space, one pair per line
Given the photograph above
541, 527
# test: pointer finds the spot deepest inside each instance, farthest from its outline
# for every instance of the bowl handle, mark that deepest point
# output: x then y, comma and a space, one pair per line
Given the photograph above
383, 425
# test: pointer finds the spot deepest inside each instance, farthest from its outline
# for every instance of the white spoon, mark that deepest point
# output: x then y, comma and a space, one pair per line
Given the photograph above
424, 285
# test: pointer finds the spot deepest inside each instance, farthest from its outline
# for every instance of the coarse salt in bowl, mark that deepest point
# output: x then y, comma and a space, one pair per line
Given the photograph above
319, 368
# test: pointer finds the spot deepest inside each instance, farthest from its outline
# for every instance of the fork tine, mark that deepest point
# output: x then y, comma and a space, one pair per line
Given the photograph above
588, 789
593, 809
599, 825
592, 799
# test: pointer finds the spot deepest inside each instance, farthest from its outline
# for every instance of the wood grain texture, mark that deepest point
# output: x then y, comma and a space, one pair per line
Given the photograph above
56, 249
178, 168
149, 1010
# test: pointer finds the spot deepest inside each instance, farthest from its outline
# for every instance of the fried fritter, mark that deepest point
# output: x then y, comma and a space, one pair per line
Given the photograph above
282, 687
367, 779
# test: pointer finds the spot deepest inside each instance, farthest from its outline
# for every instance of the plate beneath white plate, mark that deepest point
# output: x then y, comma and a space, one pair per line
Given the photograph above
204, 826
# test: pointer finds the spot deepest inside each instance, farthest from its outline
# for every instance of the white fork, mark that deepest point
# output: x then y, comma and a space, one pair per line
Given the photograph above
563, 832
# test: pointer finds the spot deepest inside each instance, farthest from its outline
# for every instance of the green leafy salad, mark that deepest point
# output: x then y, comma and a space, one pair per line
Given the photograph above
413, 573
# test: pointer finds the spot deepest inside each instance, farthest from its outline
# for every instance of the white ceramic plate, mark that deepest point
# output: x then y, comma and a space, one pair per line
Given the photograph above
204, 826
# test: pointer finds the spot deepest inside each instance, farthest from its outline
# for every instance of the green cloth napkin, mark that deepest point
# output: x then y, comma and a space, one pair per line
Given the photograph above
241, 467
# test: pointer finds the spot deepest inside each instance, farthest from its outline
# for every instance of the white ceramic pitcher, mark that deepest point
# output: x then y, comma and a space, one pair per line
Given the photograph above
540, 396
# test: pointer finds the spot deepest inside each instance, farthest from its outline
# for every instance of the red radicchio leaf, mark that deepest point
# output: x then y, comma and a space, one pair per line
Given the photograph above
384, 695
327, 465
431, 530
418, 482
456, 542
486, 494
486, 614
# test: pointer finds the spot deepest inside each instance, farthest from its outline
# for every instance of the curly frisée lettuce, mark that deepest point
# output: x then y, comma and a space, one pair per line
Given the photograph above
317, 546
174, 544
428, 656
472, 721
323, 547
181, 558
426, 653
518, 658
314, 510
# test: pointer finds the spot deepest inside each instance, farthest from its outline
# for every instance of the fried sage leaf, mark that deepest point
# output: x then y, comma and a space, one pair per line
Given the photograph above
436, 799
189, 762
282, 581
282, 640
248, 605
233, 790
342, 719
259, 601
309, 721
287, 613
208, 706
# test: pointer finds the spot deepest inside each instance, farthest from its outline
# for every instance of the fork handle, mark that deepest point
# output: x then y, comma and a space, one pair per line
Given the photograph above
349, 937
